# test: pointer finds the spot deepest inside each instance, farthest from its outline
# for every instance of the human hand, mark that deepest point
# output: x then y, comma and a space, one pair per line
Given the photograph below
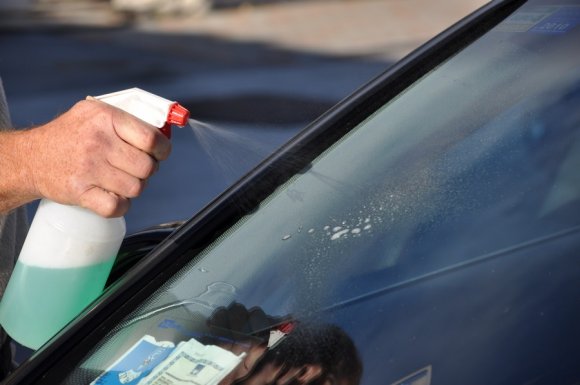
94, 156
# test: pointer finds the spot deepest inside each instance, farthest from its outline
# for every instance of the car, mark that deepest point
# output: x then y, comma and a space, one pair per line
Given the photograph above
425, 230
191, 7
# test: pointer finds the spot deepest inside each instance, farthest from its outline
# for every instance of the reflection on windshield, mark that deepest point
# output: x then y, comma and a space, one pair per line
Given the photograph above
321, 354
233, 345
285, 351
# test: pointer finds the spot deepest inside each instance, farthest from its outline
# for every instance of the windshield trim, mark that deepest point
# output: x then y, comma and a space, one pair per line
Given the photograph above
55, 360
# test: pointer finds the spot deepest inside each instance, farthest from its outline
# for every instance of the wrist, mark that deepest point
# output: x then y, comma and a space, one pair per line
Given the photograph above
17, 186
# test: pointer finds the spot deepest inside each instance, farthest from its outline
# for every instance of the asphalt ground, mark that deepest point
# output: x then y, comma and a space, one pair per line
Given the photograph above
256, 73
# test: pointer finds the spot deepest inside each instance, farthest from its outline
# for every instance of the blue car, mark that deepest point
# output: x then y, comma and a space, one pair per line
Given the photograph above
425, 230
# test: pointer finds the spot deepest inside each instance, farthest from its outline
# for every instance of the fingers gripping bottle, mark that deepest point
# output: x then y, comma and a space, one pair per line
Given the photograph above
69, 251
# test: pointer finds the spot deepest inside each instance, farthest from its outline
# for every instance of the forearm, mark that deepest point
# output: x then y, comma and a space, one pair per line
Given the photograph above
16, 182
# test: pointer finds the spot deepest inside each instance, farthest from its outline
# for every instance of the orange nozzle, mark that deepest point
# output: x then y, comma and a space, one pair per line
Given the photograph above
178, 115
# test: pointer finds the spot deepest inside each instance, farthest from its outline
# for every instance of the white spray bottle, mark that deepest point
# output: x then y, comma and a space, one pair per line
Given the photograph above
69, 251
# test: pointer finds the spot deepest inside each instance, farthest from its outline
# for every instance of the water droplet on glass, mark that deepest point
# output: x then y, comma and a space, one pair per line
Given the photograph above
339, 234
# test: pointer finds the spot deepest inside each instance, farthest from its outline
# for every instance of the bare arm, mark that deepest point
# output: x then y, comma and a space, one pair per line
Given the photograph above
16, 185
94, 155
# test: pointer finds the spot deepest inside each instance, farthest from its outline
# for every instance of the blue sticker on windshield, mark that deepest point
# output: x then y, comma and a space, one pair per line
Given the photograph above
561, 21
136, 363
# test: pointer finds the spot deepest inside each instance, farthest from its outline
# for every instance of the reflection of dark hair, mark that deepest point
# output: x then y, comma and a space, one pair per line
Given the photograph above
237, 324
319, 344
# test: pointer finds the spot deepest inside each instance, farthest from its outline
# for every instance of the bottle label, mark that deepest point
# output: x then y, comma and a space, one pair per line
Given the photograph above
49, 247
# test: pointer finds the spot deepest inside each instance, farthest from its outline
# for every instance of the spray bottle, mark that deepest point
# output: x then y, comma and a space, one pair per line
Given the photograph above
69, 251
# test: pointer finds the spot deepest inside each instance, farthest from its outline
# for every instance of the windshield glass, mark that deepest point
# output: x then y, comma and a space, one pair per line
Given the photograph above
437, 240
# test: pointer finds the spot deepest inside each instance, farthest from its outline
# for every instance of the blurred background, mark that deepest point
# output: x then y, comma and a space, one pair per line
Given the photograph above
253, 73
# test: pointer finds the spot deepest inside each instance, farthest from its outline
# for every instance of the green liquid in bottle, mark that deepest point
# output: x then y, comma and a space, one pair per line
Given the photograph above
39, 301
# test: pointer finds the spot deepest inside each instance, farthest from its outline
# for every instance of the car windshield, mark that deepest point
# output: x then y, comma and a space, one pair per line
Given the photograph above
436, 240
